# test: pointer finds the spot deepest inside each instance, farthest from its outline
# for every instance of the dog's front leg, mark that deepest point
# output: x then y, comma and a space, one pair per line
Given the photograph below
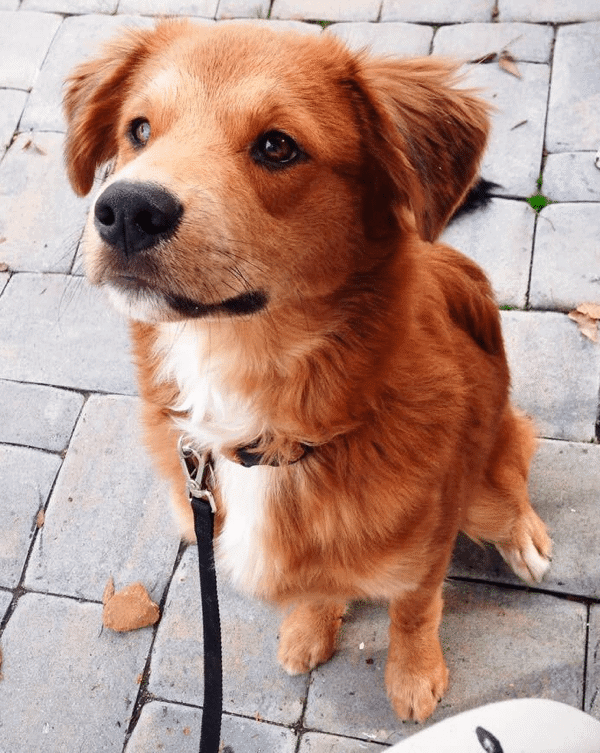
308, 635
416, 675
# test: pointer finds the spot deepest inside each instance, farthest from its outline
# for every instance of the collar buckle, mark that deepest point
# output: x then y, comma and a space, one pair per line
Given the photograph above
198, 470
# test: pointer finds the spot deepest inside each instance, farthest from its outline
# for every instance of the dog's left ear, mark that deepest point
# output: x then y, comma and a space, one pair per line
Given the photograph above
423, 135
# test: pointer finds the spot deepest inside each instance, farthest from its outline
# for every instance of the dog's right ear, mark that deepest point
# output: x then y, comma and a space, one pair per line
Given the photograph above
92, 104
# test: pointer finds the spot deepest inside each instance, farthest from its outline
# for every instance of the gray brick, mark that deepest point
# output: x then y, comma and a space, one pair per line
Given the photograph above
28, 476
40, 216
299, 26
334, 10
37, 416
78, 38
502, 644
12, 103
243, 8
203, 8
69, 338
176, 729
527, 42
571, 176
71, 6
439, 11
108, 514
573, 122
499, 238
556, 11
253, 681
564, 483
592, 695
555, 373
317, 742
514, 154
5, 600
385, 39
566, 258
20, 63
68, 685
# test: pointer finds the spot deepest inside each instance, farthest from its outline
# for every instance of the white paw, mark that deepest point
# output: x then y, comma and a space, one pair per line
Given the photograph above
527, 561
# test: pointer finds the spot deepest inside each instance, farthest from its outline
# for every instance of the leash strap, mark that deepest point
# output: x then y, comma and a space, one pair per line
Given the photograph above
198, 470
210, 735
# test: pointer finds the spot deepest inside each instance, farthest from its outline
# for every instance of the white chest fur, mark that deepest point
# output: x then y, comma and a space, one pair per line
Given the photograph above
213, 417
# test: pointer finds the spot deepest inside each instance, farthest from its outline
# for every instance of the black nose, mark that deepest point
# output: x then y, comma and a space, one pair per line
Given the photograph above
132, 217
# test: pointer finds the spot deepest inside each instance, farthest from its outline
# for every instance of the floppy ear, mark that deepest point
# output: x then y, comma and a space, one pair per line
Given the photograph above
92, 102
425, 136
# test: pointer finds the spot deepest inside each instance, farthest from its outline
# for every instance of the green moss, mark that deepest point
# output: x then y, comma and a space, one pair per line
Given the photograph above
538, 201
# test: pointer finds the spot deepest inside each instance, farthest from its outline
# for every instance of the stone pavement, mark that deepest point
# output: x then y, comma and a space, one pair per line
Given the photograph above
69, 440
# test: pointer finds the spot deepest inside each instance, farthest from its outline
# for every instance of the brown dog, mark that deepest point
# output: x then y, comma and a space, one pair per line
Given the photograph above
268, 224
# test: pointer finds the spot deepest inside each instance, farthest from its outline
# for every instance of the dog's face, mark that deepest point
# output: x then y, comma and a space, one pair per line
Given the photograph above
251, 170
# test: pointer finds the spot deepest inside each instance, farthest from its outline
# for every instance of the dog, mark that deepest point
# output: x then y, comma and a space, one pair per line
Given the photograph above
268, 223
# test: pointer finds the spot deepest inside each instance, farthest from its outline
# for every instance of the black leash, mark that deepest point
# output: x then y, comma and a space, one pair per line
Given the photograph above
198, 471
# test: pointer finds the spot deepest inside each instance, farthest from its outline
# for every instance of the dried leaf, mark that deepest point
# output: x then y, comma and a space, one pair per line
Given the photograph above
588, 326
485, 58
591, 309
129, 609
40, 519
507, 62
109, 590
30, 144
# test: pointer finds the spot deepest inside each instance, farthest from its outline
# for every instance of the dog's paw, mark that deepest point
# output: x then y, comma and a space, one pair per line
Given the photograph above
530, 552
415, 695
308, 637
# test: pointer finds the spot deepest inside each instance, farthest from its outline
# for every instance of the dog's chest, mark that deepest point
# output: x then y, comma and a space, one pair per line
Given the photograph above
214, 417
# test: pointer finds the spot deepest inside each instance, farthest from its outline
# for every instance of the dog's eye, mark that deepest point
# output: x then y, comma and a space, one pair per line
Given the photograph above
276, 149
139, 132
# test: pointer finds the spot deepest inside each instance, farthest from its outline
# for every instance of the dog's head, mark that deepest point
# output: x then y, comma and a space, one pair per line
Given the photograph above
249, 168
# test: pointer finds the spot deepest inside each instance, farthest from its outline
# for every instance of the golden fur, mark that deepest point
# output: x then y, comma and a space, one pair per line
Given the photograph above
378, 346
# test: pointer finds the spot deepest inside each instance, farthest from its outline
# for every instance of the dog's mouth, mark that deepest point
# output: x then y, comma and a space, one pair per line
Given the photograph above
141, 297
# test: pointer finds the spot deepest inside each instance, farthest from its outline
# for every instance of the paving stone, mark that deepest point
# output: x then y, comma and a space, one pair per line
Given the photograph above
5, 600
243, 9
108, 510
333, 10
204, 8
9, 4
501, 644
41, 218
72, 6
500, 239
555, 373
571, 176
556, 11
564, 483
498, 644
37, 416
253, 683
4, 278
592, 687
20, 63
70, 337
527, 42
514, 154
79, 37
566, 257
317, 742
176, 729
439, 11
28, 476
12, 103
573, 122
68, 685
304, 28
385, 39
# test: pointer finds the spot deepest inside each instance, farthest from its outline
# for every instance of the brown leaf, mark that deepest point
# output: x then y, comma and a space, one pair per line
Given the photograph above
485, 58
40, 519
591, 309
507, 62
109, 590
588, 326
129, 609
